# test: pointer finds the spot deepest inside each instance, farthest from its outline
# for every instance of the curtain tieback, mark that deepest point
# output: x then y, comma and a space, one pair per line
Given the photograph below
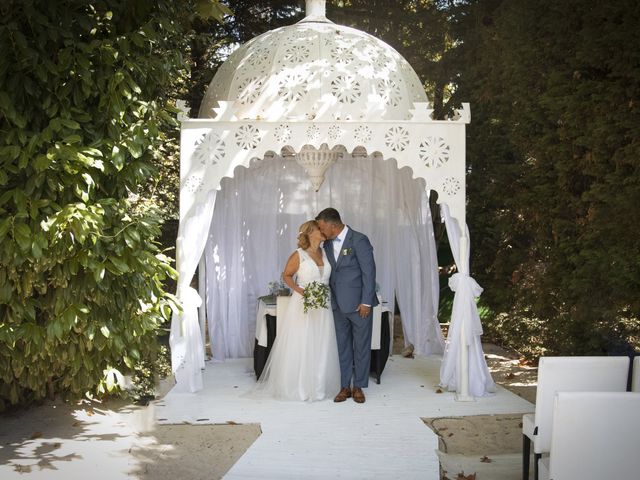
464, 306
459, 281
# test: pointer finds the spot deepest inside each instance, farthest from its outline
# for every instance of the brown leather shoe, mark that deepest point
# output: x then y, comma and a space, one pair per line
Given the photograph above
343, 394
358, 395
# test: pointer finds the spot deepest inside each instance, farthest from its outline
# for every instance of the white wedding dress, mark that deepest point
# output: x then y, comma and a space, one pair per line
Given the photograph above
303, 363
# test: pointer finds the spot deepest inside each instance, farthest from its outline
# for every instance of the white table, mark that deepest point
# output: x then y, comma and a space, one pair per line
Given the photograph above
282, 302
262, 334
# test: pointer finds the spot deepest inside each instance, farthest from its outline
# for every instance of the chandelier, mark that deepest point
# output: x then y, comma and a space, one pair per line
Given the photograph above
316, 161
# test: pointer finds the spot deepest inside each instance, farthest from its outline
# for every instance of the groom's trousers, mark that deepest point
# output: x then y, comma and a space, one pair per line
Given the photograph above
353, 334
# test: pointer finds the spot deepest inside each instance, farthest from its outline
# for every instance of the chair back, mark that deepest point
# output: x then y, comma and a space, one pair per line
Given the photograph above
573, 374
595, 436
635, 375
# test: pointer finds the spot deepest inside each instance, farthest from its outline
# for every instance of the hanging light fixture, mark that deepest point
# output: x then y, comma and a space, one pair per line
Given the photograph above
316, 162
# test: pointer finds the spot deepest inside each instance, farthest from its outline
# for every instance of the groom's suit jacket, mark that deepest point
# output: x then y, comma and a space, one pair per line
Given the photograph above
353, 273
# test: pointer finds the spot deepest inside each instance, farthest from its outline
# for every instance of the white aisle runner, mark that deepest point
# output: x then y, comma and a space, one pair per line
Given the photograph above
385, 437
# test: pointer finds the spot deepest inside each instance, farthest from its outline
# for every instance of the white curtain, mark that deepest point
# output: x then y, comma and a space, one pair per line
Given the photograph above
185, 339
464, 312
254, 227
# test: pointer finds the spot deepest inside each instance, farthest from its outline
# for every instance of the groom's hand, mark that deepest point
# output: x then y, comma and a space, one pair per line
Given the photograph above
364, 310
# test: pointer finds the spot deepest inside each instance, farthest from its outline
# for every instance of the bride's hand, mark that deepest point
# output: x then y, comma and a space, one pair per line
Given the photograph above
299, 290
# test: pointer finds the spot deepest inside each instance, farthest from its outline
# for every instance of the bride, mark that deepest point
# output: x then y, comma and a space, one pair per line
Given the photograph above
303, 363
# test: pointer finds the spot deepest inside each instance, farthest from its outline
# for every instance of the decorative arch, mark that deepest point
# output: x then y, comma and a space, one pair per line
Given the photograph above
257, 212
433, 149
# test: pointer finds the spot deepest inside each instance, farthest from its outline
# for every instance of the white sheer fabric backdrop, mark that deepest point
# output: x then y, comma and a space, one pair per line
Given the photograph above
254, 227
185, 339
464, 311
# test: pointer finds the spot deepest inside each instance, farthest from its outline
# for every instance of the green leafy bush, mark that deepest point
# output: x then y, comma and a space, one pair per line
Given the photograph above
83, 115
146, 375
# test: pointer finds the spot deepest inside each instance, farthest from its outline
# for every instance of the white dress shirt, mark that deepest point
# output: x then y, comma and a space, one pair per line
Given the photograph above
338, 241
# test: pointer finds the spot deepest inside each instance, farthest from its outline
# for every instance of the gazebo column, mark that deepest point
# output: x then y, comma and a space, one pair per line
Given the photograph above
462, 395
463, 355
202, 311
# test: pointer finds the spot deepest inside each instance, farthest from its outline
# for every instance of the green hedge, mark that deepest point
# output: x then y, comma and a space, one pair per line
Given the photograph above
84, 108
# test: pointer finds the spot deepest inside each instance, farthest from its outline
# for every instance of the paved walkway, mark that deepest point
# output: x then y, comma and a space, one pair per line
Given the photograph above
383, 437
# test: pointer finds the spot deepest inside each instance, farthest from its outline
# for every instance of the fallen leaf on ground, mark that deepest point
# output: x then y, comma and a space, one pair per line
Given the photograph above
486, 459
438, 390
35, 435
462, 476
231, 422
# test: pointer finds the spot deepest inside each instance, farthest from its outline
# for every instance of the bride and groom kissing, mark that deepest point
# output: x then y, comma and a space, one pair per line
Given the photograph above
326, 351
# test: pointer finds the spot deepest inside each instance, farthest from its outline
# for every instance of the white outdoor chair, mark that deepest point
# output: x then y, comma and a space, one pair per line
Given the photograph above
594, 436
567, 374
635, 375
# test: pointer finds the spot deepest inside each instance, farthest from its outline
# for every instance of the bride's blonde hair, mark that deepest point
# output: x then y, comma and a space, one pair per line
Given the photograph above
304, 231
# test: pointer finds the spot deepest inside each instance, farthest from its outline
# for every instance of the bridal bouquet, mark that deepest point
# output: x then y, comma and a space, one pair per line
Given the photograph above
316, 295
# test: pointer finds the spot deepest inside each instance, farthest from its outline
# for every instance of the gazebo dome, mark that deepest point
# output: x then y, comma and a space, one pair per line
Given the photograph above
315, 70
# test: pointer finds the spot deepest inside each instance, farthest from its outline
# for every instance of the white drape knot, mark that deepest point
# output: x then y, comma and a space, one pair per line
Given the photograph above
464, 306
188, 296
460, 280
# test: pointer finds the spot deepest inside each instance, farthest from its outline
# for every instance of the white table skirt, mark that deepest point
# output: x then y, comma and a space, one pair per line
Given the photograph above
261, 321
282, 302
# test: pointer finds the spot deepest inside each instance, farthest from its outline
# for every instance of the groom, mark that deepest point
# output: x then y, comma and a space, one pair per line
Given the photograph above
353, 296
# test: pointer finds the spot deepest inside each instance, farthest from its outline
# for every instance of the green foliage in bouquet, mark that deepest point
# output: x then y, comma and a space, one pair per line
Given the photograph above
316, 295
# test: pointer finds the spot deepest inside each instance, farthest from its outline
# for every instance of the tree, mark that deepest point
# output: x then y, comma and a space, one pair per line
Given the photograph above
553, 149
84, 112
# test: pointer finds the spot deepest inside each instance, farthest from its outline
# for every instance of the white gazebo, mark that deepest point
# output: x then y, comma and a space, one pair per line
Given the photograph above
321, 98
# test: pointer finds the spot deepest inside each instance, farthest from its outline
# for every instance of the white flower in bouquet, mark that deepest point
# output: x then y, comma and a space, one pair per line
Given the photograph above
316, 295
